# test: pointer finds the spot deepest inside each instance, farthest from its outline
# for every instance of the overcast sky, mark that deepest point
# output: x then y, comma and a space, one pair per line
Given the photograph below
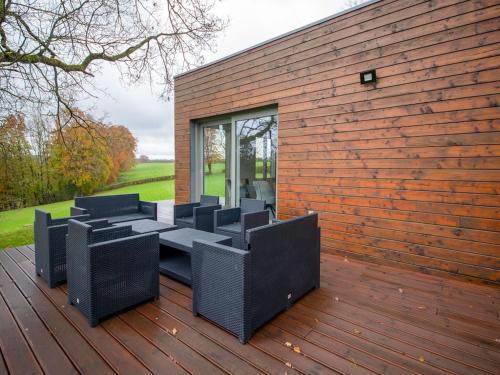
250, 22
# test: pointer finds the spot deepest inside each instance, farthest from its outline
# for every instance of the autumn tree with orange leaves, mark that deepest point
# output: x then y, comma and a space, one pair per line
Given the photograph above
84, 159
122, 146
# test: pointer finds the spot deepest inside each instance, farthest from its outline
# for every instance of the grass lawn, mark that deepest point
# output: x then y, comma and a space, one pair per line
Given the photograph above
147, 170
214, 183
16, 226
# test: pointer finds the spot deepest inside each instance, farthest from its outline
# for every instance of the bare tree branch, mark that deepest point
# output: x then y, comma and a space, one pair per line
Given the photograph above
50, 51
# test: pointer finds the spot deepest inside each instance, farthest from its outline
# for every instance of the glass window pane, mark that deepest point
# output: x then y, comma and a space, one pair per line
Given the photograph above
257, 144
217, 161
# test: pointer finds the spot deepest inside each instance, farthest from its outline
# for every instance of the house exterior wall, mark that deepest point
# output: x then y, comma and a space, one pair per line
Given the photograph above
403, 172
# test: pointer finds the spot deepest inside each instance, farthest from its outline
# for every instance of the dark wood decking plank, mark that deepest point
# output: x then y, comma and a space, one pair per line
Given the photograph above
388, 325
329, 360
28, 251
439, 361
3, 366
254, 356
82, 355
486, 308
336, 357
384, 348
483, 305
46, 349
15, 350
389, 338
116, 354
196, 342
175, 345
379, 333
416, 280
153, 358
326, 363
394, 307
442, 319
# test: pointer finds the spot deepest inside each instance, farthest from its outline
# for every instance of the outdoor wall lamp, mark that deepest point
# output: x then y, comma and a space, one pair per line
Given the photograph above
368, 77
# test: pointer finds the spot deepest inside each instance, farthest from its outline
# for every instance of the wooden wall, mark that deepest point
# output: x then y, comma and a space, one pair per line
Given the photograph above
404, 172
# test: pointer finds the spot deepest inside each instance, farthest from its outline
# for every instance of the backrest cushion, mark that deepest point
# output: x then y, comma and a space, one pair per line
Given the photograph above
109, 205
251, 205
209, 200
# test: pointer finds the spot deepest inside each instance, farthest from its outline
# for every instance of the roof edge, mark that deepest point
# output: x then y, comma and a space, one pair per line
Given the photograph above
329, 18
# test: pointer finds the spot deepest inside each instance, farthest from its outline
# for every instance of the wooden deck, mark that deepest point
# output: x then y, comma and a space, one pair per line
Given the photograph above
364, 319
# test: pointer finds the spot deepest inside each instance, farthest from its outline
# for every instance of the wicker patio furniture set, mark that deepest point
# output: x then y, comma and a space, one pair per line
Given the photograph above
243, 270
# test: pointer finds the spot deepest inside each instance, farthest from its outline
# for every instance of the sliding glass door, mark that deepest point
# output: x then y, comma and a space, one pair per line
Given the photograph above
217, 161
256, 141
237, 158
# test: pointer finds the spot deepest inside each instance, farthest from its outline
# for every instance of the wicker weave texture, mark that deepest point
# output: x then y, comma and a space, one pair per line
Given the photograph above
110, 269
243, 289
124, 207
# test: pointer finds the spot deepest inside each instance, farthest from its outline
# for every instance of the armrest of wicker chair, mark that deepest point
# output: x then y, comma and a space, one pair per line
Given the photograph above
75, 211
185, 209
221, 286
64, 220
254, 219
149, 208
226, 216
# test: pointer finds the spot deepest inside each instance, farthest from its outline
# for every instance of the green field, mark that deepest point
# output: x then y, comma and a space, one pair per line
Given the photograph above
142, 171
214, 183
16, 226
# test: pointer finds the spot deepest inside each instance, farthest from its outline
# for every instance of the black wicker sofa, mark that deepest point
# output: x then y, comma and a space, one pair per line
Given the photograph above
115, 208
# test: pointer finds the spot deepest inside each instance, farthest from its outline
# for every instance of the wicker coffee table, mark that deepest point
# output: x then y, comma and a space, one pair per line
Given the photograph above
175, 251
147, 226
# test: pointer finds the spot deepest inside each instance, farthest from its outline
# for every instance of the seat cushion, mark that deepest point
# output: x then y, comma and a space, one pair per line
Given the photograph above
233, 228
186, 219
129, 217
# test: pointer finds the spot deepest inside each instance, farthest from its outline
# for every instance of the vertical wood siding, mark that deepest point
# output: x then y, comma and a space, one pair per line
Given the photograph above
403, 172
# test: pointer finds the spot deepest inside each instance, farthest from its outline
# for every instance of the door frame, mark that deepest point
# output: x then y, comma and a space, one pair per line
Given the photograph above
197, 151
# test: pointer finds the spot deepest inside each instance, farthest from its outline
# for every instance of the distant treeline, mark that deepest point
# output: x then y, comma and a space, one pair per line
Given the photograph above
40, 163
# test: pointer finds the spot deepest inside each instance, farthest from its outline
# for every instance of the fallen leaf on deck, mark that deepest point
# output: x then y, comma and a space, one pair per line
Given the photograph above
400, 290
337, 299
174, 331
357, 331
421, 359
288, 344
296, 349
288, 364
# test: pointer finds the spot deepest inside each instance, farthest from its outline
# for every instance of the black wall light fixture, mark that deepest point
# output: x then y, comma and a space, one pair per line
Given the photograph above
368, 77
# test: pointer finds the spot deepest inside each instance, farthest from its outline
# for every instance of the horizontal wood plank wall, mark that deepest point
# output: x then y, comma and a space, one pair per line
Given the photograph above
404, 172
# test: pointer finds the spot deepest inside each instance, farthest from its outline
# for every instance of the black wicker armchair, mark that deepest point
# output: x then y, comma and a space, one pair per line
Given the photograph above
50, 245
243, 289
198, 215
234, 222
115, 208
110, 269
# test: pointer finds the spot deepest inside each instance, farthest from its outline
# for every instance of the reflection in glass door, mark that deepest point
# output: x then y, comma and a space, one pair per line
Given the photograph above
217, 162
256, 145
